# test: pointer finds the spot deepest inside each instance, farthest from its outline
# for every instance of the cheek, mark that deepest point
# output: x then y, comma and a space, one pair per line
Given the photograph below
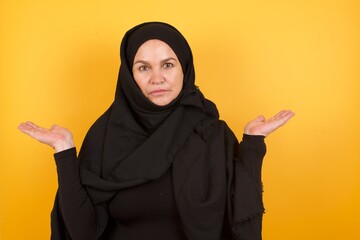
177, 79
141, 81
180, 82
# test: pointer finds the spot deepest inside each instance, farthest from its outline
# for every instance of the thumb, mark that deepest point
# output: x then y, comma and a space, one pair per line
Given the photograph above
55, 126
260, 118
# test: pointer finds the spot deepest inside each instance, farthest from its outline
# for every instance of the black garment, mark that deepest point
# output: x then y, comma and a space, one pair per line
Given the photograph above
135, 142
128, 219
146, 211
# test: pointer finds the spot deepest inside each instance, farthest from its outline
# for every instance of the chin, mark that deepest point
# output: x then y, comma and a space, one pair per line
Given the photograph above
161, 102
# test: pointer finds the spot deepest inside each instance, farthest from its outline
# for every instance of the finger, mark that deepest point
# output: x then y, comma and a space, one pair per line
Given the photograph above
286, 114
32, 129
33, 125
289, 115
284, 117
282, 114
22, 127
25, 127
277, 115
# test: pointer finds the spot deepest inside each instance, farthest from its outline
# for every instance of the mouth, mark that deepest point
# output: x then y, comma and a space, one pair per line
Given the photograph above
158, 92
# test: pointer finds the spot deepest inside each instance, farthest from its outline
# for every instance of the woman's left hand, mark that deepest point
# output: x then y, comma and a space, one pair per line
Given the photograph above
262, 126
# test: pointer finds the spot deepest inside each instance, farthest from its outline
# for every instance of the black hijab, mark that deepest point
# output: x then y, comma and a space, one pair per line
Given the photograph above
136, 141
138, 136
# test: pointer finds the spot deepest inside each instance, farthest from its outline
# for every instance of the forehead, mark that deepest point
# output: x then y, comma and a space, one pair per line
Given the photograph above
154, 47
154, 43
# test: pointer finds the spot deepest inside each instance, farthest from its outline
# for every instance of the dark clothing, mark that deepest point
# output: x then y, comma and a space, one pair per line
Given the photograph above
147, 211
213, 190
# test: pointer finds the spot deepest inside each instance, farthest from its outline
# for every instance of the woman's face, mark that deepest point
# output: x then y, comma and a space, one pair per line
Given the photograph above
158, 72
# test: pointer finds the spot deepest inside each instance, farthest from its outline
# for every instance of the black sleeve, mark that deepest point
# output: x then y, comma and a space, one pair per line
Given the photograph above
252, 150
76, 207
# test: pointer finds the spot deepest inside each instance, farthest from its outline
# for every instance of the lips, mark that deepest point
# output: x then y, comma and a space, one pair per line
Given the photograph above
157, 92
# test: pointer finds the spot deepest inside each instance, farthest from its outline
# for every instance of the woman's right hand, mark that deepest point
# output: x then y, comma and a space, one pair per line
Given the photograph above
56, 137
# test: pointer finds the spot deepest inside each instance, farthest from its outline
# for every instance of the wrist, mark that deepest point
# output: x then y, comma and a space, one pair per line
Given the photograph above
62, 146
254, 133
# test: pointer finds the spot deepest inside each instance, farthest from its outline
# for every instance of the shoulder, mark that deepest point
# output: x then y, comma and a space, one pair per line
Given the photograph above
210, 128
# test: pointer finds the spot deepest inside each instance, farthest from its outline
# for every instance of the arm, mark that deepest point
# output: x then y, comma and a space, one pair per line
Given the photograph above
76, 207
252, 149
248, 204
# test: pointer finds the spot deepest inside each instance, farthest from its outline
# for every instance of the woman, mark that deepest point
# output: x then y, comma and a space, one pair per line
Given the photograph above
158, 164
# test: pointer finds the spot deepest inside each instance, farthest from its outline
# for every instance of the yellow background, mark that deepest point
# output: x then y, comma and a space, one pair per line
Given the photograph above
59, 63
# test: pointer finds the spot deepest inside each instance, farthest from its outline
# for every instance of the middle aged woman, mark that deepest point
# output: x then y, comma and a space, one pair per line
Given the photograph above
159, 164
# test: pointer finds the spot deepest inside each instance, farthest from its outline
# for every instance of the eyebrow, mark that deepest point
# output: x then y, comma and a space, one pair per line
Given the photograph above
162, 61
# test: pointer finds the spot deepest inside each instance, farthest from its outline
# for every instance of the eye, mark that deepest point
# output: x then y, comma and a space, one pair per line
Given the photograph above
168, 65
143, 68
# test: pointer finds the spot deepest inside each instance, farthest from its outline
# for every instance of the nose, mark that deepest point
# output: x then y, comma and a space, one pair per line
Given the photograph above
157, 77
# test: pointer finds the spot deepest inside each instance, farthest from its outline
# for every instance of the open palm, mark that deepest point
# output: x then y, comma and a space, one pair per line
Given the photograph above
262, 126
57, 137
